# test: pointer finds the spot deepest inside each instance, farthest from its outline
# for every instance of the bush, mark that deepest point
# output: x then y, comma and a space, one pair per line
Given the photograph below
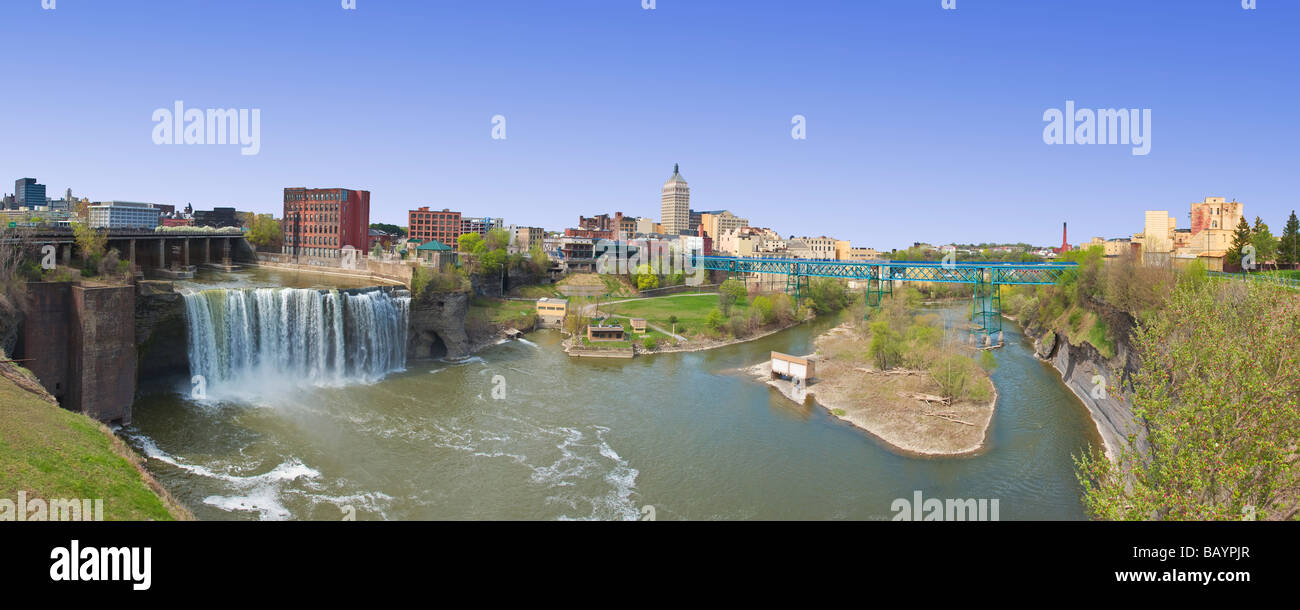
763, 306
987, 361
954, 373
715, 319
783, 308
828, 295
649, 342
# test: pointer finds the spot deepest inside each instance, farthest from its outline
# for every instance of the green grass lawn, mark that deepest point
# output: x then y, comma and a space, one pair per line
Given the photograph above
499, 311
52, 453
690, 309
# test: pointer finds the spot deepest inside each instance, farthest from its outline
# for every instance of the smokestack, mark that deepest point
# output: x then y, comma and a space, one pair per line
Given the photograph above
1065, 240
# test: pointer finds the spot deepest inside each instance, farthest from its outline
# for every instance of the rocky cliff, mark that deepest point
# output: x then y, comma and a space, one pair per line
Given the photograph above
1101, 384
161, 334
437, 326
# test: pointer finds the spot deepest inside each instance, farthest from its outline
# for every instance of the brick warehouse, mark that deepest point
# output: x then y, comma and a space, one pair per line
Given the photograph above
444, 226
321, 222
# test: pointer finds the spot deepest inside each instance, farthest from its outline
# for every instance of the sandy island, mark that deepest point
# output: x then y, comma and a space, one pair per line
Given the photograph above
887, 404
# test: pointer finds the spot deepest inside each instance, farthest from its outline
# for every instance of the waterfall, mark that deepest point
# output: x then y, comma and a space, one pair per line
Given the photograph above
295, 335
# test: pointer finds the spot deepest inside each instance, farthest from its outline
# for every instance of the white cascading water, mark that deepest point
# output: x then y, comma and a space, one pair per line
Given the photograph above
295, 335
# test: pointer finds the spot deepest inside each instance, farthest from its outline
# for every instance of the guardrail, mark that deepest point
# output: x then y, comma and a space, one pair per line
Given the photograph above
1265, 278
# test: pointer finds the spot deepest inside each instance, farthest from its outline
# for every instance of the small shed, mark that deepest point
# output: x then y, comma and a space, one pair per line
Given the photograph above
600, 332
638, 325
794, 367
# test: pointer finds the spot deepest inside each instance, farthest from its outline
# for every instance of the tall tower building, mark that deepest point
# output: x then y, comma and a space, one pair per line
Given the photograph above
676, 204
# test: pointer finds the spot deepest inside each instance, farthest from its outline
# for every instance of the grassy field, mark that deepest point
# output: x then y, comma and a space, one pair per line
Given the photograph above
690, 309
52, 453
499, 311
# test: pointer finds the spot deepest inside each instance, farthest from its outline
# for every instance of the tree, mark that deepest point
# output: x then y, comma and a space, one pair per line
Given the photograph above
1240, 239
497, 239
1288, 248
828, 295
265, 232
470, 243
1264, 242
886, 345
90, 241
1216, 398
390, 229
540, 260
645, 278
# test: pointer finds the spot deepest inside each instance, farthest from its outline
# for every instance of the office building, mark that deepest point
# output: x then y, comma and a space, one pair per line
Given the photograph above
676, 204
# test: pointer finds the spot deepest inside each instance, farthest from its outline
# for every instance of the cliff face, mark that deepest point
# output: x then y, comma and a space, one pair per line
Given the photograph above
437, 326
161, 336
1107, 398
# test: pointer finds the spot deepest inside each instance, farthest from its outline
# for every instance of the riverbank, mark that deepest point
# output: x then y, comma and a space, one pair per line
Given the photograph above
50, 453
901, 407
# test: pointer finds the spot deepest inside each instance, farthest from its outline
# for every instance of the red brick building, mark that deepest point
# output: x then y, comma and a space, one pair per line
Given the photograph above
425, 224
321, 222
589, 233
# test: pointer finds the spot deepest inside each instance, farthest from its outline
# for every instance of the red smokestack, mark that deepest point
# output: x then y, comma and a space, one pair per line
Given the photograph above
1065, 241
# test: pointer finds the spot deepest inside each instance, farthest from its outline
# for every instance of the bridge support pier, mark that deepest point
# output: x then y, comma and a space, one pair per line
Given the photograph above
207, 249
130, 248
162, 253
186, 256
67, 255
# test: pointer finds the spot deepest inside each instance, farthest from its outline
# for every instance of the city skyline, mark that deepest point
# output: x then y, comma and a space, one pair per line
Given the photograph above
899, 119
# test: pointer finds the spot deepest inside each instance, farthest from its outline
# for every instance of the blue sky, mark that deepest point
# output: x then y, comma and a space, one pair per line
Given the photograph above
923, 124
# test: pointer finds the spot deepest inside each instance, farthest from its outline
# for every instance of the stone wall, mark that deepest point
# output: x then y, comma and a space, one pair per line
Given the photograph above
44, 338
80, 342
103, 352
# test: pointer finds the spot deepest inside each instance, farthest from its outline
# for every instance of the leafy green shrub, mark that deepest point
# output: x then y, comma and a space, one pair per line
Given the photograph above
649, 342
763, 305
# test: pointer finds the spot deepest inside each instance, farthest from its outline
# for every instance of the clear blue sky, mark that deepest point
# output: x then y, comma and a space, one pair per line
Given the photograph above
923, 124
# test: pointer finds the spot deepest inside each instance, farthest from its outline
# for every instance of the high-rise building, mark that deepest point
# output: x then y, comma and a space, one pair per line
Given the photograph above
28, 194
676, 201
425, 224
321, 222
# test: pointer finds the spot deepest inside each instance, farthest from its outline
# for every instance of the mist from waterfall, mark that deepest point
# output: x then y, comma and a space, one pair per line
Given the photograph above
293, 336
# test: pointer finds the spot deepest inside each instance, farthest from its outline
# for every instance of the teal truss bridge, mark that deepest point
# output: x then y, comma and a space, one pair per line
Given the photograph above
878, 279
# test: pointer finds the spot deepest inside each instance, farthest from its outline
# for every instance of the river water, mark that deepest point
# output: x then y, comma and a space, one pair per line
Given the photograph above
521, 431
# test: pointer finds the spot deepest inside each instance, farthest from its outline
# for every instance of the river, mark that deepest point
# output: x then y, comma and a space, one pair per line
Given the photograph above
521, 431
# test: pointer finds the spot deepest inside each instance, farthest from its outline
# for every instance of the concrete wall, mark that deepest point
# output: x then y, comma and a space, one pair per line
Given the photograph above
391, 270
